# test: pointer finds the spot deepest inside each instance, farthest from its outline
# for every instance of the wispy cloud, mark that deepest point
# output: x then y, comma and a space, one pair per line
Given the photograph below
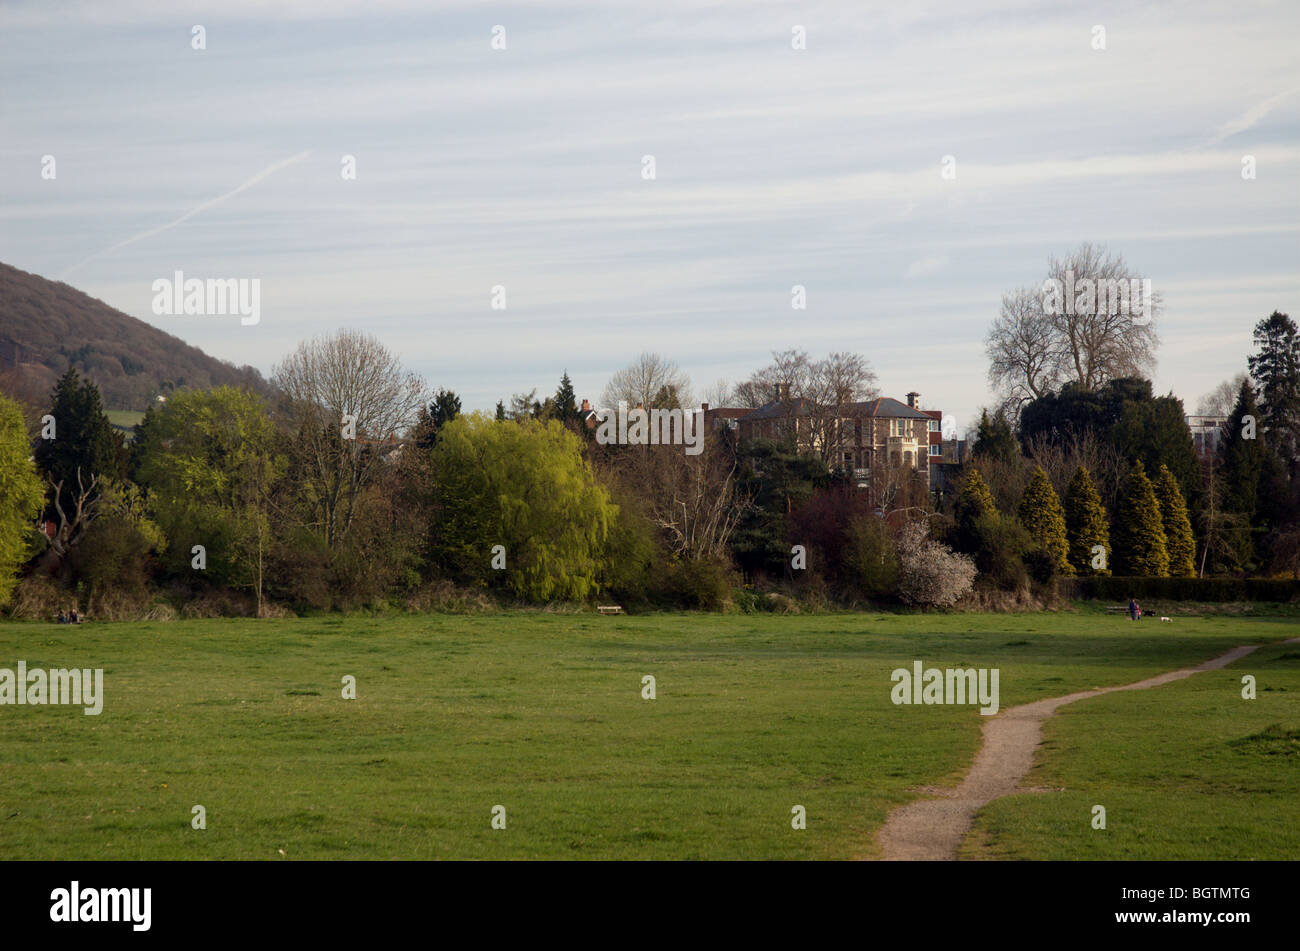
1248, 119
198, 209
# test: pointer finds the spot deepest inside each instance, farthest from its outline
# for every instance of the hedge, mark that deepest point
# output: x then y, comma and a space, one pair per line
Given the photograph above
1209, 590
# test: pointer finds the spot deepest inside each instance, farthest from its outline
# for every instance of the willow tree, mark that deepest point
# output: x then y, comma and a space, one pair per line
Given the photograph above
517, 504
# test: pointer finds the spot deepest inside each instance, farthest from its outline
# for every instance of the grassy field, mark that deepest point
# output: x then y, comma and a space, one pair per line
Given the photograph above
124, 419
543, 714
1189, 770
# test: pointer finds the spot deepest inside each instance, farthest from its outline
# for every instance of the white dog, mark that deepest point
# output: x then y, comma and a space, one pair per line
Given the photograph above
1166, 619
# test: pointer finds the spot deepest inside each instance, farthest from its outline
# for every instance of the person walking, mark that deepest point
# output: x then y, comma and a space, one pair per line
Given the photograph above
1133, 610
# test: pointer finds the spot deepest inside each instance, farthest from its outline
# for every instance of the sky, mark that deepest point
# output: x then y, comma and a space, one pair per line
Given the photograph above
523, 168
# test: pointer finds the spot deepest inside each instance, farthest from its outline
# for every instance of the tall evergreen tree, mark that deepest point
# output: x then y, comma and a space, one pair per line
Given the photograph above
501, 411
994, 439
444, 407
1041, 513
974, 504
1178, 526
566, 401
974, 499
1139, 534
1241, 455
1276, 367
83, 438
1085, 524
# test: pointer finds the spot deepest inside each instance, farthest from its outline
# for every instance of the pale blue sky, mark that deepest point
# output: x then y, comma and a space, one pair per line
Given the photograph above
775, 167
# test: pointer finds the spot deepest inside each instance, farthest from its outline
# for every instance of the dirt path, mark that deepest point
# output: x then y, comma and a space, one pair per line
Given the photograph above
932, 829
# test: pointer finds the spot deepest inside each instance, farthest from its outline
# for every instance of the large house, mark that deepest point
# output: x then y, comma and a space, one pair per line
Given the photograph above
856, 436
1206, 431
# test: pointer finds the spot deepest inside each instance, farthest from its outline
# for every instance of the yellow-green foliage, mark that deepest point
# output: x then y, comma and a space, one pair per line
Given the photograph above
1177, 525
526, 487
974, 500
1041, 513
211, 462
20, 495
1085, 524
1139, 529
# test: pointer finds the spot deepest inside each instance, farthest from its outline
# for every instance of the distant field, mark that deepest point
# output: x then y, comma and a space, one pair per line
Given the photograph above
543, 713
124, 419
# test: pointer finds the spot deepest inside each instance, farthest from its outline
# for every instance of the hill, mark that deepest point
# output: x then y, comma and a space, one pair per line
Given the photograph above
47, 327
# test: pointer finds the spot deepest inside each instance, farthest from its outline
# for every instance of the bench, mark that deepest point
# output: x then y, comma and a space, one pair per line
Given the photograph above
1117, 609
609, 608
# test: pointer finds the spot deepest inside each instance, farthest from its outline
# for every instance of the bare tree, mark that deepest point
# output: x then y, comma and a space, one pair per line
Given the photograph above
349, 398
692, 499
821, 395
523, 405
1024, 357
1221, 400
1092, 320
652, 381
721, 393
72, 526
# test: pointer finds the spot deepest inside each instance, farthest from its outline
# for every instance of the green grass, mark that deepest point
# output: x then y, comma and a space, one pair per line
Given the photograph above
124, 419
1188, 770
542, 713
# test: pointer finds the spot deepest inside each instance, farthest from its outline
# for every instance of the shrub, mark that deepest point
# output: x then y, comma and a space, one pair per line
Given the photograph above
929, 572
870, 559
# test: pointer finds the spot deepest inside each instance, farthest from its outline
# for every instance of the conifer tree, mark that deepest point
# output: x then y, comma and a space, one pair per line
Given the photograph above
566, 401
973, 507
1178, 526
1139, 529
974, 500
1041, 513
1277, 368
1241, 454
994, 439
83, 438
1085, 525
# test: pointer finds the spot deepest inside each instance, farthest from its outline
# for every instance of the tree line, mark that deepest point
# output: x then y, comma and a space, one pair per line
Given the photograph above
354, 486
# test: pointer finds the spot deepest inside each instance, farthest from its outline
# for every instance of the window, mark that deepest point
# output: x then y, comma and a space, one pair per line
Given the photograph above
933, 426
936, 450
898, 427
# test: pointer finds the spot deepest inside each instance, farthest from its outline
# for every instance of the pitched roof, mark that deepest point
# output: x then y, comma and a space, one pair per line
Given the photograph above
728, 412
886, 407
780, 408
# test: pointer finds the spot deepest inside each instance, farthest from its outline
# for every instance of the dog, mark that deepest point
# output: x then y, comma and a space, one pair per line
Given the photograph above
1166, 619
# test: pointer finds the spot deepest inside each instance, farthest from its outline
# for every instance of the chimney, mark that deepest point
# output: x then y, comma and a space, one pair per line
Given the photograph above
783, 391
705, 407
914, 400
586, 406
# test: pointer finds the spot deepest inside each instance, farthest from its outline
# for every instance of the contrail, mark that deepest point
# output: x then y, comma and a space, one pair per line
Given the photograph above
269, 170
